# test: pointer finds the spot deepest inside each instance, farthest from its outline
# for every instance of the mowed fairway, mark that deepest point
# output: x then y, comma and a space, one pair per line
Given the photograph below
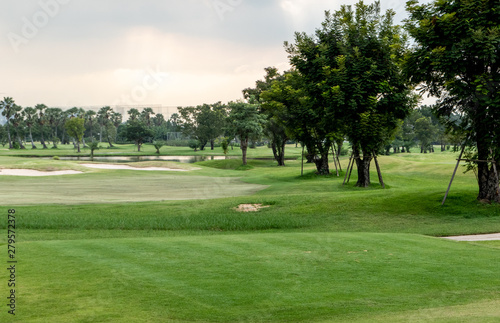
121, 246
256, 278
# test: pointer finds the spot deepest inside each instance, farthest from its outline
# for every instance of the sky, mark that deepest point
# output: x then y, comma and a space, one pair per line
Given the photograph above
83, 53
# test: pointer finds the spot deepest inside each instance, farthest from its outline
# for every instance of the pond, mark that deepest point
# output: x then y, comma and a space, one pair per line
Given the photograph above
131, 159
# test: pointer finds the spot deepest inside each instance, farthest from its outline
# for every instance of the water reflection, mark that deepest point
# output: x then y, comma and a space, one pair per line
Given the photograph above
131, 159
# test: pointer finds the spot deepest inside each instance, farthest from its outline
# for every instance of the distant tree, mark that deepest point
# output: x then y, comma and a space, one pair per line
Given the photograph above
94, 145
54, 117
138, 132
115, 121
174, 121
103, 116
274, 128
90, 116
133, 114
75, 127
17, 121
158, 144
425, 131
41, 120
203, 123
246, 121
146, 116
7, 106
30, 117
457, 59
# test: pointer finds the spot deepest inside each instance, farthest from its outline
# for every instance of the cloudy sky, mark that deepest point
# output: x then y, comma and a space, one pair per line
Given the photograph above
173, 52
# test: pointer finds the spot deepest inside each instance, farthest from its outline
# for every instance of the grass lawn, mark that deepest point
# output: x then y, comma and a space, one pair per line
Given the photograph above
121, 246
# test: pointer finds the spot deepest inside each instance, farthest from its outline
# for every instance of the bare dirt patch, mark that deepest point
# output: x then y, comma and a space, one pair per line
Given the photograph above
32, 172
250, 207
127, 167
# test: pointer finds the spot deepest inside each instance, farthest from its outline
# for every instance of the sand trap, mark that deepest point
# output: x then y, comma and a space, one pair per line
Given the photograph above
31, 172
250, 207
110, 166
477, 237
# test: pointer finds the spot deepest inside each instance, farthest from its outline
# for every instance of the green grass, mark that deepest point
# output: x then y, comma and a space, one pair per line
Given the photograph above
251, 278
115, 246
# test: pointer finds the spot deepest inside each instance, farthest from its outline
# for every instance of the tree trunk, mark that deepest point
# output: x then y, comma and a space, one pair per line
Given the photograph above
278, 147
8, 136
244, 147
488, 183
32, 143
78, 146
322, 166
110, 143
42, 141
20, 142
363, 166
212, 144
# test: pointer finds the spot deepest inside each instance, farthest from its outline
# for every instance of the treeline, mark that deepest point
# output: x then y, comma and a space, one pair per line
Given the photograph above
49, 126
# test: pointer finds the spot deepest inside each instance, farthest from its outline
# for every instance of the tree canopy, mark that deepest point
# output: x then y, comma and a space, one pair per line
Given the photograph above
457, 59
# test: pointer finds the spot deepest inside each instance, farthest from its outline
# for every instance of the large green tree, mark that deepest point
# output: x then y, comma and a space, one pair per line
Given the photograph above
274, 127
457, 59
353, 77
246, 122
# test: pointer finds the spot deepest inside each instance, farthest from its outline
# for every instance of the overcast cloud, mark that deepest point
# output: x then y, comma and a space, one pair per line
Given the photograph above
173, 52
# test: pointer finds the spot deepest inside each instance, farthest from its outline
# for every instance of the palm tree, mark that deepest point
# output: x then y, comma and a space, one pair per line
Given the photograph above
103, 119
17, 121
41, 122
30, 117
8, 111
115, 121
54, 117
146, 116
90, 118
133, 114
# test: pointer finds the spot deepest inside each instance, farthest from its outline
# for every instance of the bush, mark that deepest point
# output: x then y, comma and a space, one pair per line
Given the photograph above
15, 145
194, 144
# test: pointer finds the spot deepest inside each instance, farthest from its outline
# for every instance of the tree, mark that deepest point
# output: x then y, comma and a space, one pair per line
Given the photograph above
75, 127
17, 122
274, 128
158, 144
457, 59
133, 114
203, 123
41, 119
246, 122
90, 116
54, 117
146, 116
94, 145
137, 132
7, 106
425, 131
103, 116
353, 77
30, 116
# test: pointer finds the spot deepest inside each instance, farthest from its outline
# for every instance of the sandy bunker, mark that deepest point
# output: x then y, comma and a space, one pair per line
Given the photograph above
111, 166
32, 172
